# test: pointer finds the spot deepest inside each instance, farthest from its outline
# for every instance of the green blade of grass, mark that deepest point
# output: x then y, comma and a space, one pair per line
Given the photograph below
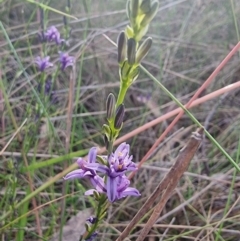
50, 162
192, 118
45, 7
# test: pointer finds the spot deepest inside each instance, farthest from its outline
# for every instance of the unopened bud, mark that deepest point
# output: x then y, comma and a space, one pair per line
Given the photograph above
150, 15
128, 7
131, 51
96, 195
102, 160
124, 70
145, 6
141, 33
103, 215
92, 236
69, 4
42, 18
119, 116
133, 74
129, 32
134, 8
110, 105
92, 219
106, 141
143, 49
106, 130
122, 45
65, 20
88, 227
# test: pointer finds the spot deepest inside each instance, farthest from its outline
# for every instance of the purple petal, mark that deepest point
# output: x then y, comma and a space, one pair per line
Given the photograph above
115, 174
75, 174
92, 155
98, 183
52, 34
131, 166
81, 162
130, 191
112, 188
97, 167
43, 63
89, 192
66, 60
123, 183
121, 148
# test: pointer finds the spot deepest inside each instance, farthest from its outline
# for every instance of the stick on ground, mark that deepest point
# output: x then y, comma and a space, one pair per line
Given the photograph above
167, 185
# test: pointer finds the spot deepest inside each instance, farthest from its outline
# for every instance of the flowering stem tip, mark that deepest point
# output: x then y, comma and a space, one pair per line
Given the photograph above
113, 181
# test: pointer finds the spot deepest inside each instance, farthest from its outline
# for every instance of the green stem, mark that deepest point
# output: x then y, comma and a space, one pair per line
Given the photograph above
122, 92
100, 210
192, 117
110, 147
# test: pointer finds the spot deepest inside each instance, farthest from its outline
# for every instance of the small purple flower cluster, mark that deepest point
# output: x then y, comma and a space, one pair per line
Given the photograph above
53, 35
114, 183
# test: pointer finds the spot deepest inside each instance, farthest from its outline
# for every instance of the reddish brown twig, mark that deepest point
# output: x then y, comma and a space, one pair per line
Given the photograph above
195, 96
172, 178
168, 183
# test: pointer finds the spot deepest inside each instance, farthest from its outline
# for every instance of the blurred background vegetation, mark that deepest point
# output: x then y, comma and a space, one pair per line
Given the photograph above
190, 38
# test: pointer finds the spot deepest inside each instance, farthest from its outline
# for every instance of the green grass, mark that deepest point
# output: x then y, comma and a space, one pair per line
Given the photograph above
190, 39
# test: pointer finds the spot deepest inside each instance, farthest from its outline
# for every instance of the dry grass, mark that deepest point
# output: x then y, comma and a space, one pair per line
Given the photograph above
190, 40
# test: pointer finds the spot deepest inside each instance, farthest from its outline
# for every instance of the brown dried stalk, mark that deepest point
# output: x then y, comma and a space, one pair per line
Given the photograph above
166, 186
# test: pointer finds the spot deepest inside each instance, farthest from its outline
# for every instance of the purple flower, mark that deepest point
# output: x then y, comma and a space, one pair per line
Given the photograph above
53, 35
94, 235
47, 86
92, 219
118, 163
84, 171
43, 63
65, 60
115, 183
118, 188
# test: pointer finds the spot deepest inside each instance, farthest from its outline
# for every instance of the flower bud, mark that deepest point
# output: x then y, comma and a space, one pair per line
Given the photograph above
102, 159
128, 8
134, 8
106, 142
88, 227
150, 15
145, 6
119, 116
96, 195
92, 236
65, 20
141, 33
92, 219
131, 51
103, 215
110, 105
129, 32
122, 45
143, 49
133, 74
106, 129
124, 70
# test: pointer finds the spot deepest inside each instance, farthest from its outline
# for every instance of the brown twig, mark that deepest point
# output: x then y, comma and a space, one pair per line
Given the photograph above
169, 182
195, 96
172, 178
172, 113
150, 124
